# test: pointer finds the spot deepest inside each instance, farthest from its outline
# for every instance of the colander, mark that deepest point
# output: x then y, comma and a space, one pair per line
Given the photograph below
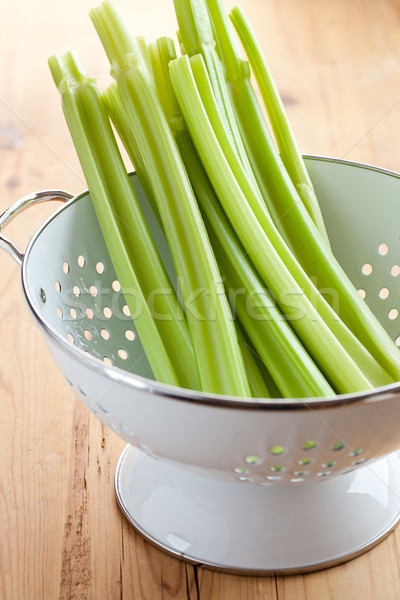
255, 486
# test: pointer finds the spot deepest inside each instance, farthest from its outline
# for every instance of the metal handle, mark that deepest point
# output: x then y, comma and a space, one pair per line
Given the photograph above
20, 206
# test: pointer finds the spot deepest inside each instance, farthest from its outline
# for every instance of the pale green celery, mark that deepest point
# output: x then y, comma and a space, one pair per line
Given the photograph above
287, 361
236, 68
258, 385
117, 113
282, 129
360, 355
196, 34
143, 48
313, 332
135, 259
218, 356
276, 342
296, 225
290, 215
364, 357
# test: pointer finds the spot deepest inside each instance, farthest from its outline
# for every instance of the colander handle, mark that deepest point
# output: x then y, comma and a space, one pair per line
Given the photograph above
18, 207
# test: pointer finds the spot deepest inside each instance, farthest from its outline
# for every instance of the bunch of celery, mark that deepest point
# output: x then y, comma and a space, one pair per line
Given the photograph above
240, 215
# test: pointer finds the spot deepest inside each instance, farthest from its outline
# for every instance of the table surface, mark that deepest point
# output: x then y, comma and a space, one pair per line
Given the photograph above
337, 66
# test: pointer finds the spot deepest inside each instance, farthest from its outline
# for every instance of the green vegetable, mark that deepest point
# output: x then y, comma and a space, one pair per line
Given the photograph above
237, 69
288, 363
290, 215
138, 266
311, 329
218, 356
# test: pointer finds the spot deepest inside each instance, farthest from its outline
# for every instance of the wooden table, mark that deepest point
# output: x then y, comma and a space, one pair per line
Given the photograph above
337, 65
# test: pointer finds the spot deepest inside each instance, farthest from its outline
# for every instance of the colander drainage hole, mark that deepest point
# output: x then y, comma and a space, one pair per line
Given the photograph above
383, 249
107, 312
59, 312
105, 334
338, 446
366, 269
309, 445
240, 470
130, 336
81, 261
70, 338
305, 461
277, 450
116, 286
76, 291
397, 341
395, 271
251, 460
393, 314
57, 285
89, 313
93, 291
122, 354
356, 452
362, 293
100, 268
383, 293
66, 268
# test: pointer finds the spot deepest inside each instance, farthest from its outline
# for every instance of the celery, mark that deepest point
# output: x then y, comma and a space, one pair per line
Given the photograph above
360, 355
218, 356
284, 136
254, 369
197, 38
117, 113
290, 366
290, 215
311, 329
131, 248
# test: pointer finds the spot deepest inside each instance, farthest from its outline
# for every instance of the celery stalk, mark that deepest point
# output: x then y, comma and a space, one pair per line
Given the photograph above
291, 217
236, 68
117, 113
314, 333
257, 382
276, 343
367, 363
284, 136
218, 356
197, 37
123, 227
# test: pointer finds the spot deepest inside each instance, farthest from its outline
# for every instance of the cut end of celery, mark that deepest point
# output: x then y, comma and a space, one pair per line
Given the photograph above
67, 69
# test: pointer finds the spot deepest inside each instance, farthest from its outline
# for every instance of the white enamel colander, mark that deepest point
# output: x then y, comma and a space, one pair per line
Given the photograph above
255, 486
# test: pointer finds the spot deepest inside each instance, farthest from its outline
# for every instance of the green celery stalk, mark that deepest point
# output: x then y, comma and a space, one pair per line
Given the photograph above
117, 113
311, 329
296, 225
367, 363
126, 235
236, 69
196, 34
218, 356
289, 364
258, 384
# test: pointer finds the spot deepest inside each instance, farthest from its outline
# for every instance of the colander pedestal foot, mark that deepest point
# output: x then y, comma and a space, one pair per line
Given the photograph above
241, 527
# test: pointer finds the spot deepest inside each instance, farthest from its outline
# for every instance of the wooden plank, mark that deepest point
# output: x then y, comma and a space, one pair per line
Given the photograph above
337, 67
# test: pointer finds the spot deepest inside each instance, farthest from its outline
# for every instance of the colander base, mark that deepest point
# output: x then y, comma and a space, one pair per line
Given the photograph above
258, 529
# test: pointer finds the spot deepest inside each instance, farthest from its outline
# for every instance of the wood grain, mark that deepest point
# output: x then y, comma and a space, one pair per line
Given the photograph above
337, 65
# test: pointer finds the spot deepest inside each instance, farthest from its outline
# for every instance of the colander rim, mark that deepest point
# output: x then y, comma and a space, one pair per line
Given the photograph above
182, 394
